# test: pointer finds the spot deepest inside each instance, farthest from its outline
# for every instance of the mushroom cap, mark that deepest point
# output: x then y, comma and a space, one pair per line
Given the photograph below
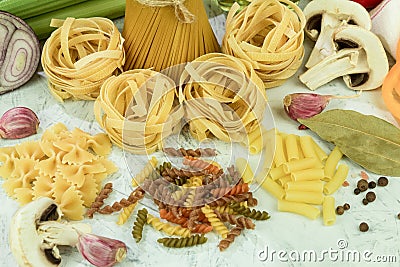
346, 10
25, 243
376, 55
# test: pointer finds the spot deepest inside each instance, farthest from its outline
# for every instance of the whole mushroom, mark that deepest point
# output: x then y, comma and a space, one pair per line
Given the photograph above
360, 59
36, 231
324, 17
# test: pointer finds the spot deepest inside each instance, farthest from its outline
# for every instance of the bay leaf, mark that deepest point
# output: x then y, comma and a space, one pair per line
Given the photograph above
369, 141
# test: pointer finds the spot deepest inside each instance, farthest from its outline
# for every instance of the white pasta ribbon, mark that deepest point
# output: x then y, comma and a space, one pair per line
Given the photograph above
269, 35
137, 109
223, 97
80, 55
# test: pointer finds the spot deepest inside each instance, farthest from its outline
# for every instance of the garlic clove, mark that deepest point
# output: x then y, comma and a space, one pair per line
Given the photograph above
101, 251
305, 105
18, 122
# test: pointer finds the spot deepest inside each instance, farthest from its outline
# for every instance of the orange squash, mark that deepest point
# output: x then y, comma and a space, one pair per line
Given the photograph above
391, 88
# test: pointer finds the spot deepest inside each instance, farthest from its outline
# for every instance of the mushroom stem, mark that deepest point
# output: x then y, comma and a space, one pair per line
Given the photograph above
324, 46
36, 231
62, 234
344, 62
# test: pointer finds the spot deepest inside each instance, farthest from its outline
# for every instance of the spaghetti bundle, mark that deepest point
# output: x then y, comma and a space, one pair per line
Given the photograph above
137, 109
222, 96
80, 55
163, 33
269, 35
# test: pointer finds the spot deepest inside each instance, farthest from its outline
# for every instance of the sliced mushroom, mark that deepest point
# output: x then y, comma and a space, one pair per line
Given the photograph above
36, 231
361, 60
324, 17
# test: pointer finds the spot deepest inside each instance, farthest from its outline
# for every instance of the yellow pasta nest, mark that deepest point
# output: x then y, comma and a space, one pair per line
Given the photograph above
269, 35
137, 109
68, 166
80, 55
223, 97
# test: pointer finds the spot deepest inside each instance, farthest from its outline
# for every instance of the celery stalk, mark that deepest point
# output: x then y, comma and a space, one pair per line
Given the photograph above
30, 8
91, 8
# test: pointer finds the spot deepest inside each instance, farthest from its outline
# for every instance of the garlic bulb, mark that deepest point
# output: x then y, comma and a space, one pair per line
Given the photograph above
306, 105
101, 251
18, 122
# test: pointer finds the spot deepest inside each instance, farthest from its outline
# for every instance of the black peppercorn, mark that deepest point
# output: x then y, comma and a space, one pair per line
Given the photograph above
339, 210
362, 185
370, 196
383, 181
357, 191
365, 201
398, 216
371, 185
363, 227
346, 206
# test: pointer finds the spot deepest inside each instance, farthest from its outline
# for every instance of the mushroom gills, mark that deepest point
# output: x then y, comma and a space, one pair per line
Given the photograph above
36, 231
52, 255
50, 214
358, 79
324, 18
344, 43
313, 26
325, 45
345, 62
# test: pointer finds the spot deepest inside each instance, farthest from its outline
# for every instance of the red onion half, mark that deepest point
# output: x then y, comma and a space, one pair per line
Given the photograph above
19, 52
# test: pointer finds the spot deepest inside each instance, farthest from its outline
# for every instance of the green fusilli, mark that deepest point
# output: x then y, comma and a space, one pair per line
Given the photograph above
141, 220
251, 213
183, 242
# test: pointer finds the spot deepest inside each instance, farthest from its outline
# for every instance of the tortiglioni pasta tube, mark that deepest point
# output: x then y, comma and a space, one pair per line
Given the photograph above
319, 151
307, 146
331, 162
245, 170
284, 180
328, 211
277, 172
280, 157
272, 187
301, 164
308, 174
304, 197
307, 210
292, 150
337, 180
307, 186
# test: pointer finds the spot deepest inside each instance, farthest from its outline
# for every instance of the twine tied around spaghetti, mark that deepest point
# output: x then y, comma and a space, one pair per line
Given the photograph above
181, 12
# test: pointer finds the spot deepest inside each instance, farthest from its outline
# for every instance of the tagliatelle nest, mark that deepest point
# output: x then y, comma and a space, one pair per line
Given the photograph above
269, 35
137, 109
223, 97
80, 55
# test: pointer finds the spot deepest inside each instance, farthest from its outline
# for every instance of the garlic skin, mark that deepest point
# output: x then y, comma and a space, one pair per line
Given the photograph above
305, 105
101, 251
18, 122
